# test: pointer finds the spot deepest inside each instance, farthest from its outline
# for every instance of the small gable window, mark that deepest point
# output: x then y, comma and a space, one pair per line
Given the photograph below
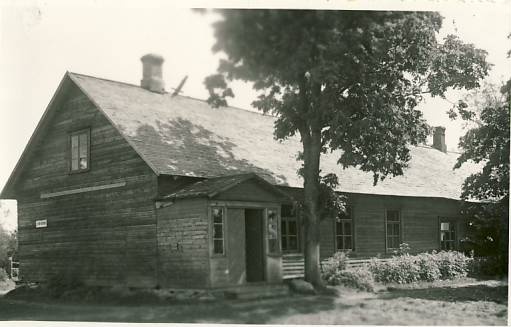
80, 151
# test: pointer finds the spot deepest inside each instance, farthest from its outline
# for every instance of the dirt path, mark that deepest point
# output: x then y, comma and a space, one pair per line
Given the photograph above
479, 303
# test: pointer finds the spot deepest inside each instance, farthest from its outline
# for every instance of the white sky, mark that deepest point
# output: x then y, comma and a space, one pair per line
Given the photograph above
40, 40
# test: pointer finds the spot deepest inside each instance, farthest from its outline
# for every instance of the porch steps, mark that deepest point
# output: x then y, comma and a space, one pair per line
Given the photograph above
293, 266
250, 292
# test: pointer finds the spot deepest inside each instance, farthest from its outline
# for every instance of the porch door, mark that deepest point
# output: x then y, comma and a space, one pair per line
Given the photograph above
254, 249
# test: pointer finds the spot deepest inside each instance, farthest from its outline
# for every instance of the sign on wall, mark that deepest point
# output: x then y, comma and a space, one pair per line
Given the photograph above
41, 223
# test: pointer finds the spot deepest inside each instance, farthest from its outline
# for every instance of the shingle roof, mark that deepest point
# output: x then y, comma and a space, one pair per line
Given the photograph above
179, 135
213, 186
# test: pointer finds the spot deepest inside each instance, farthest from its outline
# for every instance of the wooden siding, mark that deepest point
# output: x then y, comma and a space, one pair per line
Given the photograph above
183, 244
105, 235
419, 223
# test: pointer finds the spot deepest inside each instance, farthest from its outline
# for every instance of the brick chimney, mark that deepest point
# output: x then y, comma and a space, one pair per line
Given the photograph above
152, 73
439, 138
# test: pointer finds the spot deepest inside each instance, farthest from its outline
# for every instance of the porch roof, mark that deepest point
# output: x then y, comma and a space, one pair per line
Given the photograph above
214, 186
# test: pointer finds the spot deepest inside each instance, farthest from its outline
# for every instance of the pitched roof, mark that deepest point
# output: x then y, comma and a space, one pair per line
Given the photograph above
179, 135
213, 186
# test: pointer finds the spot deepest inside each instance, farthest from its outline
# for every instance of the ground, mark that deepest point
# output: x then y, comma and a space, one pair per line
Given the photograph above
467, 302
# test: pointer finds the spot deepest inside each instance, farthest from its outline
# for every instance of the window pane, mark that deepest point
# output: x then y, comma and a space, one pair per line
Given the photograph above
292, 227
339, 243
83, 163
392, 215
218, 231
218, 246
272, 225
293, 243
74, 141
389, 229
347, 242
283, 228
444, 226
338, 228
396, 230
284, 243
74, 164
217, 215
83, 145
347, 228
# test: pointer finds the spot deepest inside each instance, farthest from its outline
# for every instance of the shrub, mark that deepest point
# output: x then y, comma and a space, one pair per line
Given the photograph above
404, 248
334, 264
360, 278
452, 264
422, 267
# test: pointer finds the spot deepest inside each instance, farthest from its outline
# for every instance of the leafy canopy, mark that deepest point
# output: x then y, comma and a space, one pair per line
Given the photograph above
354, 77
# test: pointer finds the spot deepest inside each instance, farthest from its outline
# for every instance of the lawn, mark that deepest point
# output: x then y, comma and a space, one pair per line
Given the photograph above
467, 302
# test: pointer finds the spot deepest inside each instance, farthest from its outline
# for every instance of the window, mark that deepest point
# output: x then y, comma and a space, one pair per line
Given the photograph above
447, 235
273, 232
393, 228
344, 231
218, 230
289, 230
80, 154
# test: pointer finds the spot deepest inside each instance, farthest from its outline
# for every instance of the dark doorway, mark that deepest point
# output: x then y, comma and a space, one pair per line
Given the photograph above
254, 258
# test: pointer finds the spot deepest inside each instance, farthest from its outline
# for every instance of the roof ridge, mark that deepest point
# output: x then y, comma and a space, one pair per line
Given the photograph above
430, 147
167, 93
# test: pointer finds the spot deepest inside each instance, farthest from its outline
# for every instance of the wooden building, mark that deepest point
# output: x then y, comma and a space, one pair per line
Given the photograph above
131, 185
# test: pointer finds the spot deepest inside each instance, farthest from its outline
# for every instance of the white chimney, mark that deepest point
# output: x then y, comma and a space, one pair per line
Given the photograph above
152, 73
439, 138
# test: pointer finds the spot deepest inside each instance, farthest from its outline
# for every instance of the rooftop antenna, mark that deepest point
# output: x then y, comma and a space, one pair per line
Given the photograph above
180, 86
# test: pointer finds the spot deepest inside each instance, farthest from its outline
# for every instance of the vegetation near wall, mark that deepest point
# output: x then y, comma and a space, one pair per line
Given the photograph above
404, 268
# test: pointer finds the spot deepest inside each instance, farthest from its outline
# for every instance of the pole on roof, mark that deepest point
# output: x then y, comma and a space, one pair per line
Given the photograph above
180, 86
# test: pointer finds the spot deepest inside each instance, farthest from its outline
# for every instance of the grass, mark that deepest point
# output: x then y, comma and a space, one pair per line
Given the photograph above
467, 302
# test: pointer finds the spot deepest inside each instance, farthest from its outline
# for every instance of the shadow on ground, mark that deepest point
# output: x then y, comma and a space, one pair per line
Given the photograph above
248, 312
497, 294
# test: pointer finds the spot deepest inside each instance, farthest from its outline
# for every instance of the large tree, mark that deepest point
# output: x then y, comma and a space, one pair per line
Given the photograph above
342, 80
487, 142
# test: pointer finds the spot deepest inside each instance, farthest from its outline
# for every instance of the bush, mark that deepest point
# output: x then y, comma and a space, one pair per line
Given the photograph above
452, 264
360, 278
334, 264
422, 267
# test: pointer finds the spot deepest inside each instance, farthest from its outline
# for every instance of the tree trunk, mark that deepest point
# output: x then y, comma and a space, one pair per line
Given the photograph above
312, 152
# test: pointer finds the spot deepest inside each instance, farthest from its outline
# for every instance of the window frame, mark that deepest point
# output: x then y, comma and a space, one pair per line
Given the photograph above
213, 238
352, 231
85, 131
278, 247
454, 242
400, 232
286, 220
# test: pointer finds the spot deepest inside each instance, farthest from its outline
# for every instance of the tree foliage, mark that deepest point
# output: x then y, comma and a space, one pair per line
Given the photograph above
487, 143
342, 80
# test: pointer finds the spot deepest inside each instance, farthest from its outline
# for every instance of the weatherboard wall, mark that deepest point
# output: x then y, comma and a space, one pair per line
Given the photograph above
101, 224
183, 244
419, 223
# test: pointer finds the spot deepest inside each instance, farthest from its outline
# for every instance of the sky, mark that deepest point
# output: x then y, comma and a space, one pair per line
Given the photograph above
41, 40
